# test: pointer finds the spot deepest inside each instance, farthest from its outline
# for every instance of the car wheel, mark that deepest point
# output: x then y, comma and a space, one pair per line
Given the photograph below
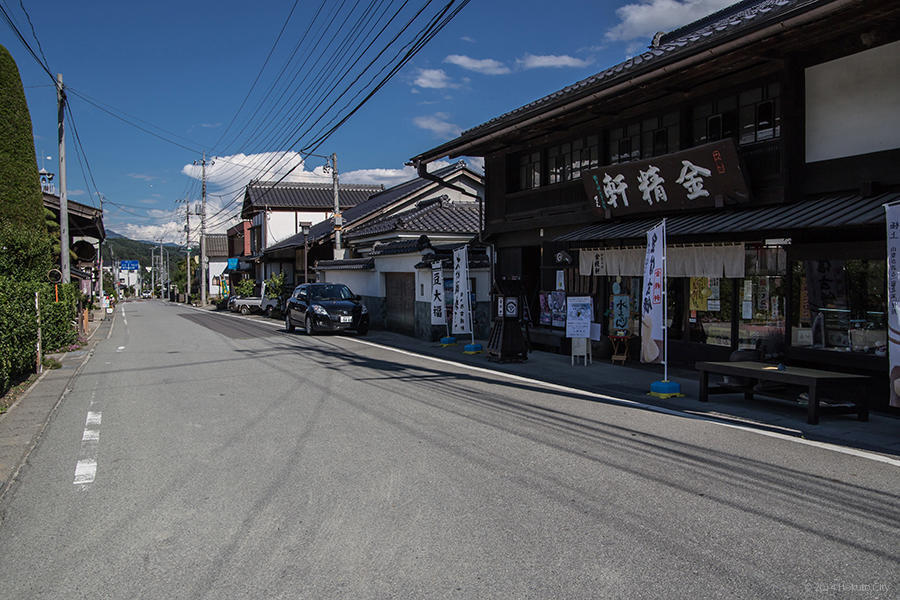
245, 310
268, 311
310, 327
288, 324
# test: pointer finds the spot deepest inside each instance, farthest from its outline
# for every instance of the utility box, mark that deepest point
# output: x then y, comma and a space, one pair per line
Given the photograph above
507, 343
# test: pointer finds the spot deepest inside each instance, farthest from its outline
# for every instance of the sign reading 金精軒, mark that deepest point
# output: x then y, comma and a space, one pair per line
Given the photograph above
699, 177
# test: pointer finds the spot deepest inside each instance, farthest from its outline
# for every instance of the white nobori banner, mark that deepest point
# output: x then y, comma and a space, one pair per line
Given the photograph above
893, 298
438, 316
462, 311
653, 298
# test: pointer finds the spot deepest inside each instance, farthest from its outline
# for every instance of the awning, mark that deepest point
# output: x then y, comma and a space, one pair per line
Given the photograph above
829, 212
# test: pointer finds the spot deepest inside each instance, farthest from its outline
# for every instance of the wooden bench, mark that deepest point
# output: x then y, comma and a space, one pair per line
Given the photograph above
812, 379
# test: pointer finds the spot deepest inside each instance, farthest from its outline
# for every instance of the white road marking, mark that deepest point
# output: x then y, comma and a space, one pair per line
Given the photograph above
120, 348
86, 467
624, 401
85, 472
124, 320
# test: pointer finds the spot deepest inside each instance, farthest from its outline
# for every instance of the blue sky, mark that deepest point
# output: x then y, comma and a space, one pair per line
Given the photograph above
182, 69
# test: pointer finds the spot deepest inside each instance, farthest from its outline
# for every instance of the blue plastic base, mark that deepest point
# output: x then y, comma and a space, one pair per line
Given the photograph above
665, 389
448, 341
472, 348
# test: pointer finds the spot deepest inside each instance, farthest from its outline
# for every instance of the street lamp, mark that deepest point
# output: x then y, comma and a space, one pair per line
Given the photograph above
305, 229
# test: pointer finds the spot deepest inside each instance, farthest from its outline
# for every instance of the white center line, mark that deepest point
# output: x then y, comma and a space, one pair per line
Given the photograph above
85, 471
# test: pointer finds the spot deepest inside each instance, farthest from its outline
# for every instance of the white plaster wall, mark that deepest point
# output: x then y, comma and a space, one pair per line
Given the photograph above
851, 104
215, 269
364, 283
283, 224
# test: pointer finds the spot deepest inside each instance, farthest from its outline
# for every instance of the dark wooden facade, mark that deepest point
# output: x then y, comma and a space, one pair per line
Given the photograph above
678, 105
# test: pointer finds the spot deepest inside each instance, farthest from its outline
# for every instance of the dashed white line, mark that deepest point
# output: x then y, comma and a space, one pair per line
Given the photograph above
86, 467
85, 472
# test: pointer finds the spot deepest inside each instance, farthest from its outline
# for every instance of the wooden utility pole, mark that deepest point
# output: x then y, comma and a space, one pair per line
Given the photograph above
338, 219
63, 200
187, 234
203, 286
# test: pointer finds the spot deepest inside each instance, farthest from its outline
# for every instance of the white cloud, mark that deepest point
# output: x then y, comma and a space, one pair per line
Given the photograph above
438, 124
466, 38
485, 66
236, 171
141, 176
531, 61
171, 232
210, 125
433, 79
646, 17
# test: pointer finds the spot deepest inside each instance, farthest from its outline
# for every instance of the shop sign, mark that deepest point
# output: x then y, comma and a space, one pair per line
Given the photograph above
462, 310
579, 312
700, 177
652, 323
438, 315
621, 310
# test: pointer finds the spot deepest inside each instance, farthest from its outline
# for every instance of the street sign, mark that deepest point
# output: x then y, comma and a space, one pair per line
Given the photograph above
129, 265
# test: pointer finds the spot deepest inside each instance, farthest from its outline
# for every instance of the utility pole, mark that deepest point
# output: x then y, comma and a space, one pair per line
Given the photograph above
203, 286
338, 219
187, 235
115, 279
152, 272
161, 279
63, 200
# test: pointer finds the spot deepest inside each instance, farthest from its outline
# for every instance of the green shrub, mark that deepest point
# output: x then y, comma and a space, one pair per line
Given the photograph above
18, 325
245, 288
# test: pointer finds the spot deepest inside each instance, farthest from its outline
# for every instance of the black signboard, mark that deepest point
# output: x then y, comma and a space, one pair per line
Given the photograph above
700, 177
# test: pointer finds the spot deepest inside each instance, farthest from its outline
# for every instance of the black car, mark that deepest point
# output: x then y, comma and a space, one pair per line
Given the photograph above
325, 307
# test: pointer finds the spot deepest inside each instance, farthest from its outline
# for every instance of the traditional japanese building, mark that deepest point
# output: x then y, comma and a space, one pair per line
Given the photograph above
768, 137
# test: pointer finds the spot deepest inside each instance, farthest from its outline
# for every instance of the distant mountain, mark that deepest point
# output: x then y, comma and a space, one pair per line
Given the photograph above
118, 247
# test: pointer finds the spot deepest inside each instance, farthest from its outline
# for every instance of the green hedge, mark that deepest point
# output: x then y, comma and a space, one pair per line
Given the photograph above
18, 325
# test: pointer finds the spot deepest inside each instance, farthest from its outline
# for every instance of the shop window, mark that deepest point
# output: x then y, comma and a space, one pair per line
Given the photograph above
565, 162
530, 171
762, 302
753, 115
839, 305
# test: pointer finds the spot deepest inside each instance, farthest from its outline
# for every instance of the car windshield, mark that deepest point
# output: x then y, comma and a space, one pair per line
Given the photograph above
331, 291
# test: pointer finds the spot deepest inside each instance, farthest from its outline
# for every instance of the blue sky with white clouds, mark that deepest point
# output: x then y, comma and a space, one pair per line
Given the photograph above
182, 69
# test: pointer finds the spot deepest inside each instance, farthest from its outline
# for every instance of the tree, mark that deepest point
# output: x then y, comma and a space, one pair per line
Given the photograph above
21, 200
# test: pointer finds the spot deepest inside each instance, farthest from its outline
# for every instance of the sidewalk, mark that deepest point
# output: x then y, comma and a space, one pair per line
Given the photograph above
23, 424
881, 433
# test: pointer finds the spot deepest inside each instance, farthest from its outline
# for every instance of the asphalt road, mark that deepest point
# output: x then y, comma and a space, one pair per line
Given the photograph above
224, 458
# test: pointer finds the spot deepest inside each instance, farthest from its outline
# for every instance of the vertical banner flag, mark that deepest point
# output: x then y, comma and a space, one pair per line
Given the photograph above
893, 304
462, 313
652, 325
437, 295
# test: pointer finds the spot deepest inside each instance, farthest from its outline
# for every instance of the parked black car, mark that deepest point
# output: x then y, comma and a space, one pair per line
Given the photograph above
325, 307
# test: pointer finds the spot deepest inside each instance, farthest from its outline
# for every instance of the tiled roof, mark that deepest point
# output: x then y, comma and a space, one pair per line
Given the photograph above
478, 258
833, 211
304, 196
348, 264
216, 244
431, 216
402, 246
730, 22
374, 204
